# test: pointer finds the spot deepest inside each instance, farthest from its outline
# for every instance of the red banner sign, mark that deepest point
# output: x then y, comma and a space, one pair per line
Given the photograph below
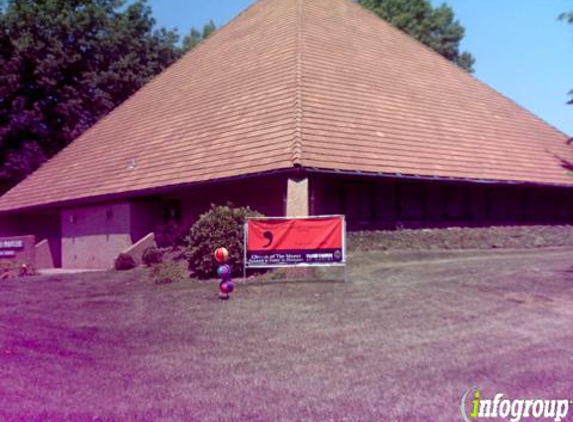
286, 242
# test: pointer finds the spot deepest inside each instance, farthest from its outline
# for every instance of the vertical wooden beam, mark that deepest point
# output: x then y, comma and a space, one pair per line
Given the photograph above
297, 203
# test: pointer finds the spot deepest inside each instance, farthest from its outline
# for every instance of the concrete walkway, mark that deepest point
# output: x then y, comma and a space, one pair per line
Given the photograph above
63, 271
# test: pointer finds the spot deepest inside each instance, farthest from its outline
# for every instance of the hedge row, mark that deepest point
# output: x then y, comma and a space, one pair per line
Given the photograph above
514, 237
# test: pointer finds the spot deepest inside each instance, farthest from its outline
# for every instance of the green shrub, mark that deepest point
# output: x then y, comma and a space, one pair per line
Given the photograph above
168, 272
6, 270
221, 226
152, 256
12, 269
125, 262
26, 270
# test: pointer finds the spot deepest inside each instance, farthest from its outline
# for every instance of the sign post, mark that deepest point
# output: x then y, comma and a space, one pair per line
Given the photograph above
279, 242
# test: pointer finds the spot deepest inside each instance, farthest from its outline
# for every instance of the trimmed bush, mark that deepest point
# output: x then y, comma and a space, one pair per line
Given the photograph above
514, 237
167, 273
152, 256
221, 226
15, 269
125, 262
26, 270
5, 270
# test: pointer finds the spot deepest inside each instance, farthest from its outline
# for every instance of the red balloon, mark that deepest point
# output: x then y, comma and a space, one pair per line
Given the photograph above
221, 255
224, 288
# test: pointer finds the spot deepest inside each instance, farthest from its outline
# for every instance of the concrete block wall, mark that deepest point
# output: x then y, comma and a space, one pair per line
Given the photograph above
93, 236
49, 253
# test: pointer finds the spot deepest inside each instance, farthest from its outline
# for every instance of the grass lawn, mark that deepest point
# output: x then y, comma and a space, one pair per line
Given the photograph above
400, 342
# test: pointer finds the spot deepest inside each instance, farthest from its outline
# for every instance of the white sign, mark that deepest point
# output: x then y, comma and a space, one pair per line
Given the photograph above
11, 244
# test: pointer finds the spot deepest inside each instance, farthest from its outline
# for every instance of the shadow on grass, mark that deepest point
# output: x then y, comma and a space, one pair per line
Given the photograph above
568, 275
276, 283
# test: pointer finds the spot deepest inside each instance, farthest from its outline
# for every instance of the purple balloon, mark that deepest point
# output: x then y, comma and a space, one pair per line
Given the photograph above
230, 286
224, 271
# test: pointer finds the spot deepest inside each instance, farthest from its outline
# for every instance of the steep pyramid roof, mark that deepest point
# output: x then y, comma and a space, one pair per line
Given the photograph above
321, 84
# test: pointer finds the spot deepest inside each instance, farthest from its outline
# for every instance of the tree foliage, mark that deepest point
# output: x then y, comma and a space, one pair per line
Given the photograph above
195, 37
568, 17
435, 27
65, 64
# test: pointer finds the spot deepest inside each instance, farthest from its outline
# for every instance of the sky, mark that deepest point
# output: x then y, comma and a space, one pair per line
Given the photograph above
521, 49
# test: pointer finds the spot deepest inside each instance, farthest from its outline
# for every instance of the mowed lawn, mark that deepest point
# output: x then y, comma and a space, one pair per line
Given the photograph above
401, 341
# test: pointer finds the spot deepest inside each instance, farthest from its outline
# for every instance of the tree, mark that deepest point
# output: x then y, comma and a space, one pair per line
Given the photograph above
208, 29
195, 37
65, 64
435, 27
568, 17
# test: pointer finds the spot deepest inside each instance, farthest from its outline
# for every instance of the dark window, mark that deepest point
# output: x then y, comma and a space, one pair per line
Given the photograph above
412, 202
564, 205
549, 205
357, 203
436, 202
533, 206
457, 203
478, 204
385, 206
172, 211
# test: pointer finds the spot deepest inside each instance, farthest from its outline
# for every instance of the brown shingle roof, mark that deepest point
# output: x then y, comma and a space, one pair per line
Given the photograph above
315, 83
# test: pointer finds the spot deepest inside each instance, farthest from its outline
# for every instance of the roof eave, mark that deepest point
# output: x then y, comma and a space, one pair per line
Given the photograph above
385, 175
296, 170
134, 194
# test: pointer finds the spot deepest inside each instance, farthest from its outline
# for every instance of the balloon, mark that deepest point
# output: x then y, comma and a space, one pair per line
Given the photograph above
224, 288
221, 255
224, 271
230, 286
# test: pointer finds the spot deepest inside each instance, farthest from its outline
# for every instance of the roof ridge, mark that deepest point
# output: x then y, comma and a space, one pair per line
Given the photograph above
298, 110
